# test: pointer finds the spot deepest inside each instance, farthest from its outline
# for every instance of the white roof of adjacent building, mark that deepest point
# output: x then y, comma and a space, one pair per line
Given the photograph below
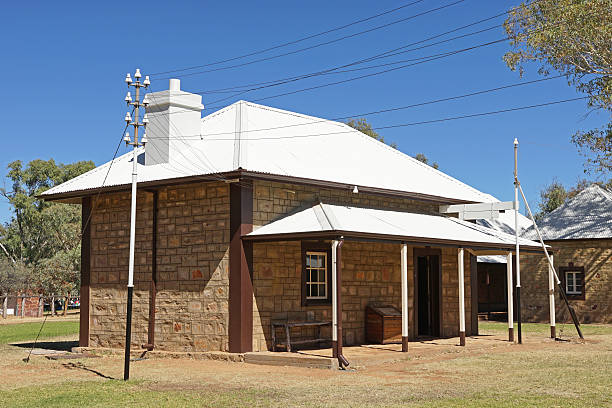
505, 223
587, 215
272, 141
386, 224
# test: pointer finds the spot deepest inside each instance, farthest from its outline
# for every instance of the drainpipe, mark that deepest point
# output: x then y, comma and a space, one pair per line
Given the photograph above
337, 304
153, 287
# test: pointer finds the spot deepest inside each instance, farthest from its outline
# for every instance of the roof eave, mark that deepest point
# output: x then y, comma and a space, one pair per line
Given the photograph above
335, 234
63, 197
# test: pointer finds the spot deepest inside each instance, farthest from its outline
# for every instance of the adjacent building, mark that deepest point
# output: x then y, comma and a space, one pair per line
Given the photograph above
580, 232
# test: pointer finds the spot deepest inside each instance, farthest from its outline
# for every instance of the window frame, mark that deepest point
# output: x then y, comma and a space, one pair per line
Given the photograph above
577, 271
316, 247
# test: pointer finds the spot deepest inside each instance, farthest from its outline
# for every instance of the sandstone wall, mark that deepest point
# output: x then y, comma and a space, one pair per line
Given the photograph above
272, 201
596, 258
192, 259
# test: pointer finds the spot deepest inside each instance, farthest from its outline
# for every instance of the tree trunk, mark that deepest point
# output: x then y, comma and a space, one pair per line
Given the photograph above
4, 306
66, 300
52, 305
23, 306
41, 306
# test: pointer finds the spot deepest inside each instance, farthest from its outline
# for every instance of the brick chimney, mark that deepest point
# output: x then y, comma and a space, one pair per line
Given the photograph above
172, 114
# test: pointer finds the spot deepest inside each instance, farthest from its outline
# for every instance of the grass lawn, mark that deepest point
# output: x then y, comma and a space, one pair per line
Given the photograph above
489, 372
19, 332
563, 329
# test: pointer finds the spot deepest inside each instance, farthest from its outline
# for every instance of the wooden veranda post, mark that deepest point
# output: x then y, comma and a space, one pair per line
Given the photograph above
334, 292
510, 300
461, 297
404, 272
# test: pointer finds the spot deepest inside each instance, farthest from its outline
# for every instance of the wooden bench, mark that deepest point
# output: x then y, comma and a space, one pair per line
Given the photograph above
287, 326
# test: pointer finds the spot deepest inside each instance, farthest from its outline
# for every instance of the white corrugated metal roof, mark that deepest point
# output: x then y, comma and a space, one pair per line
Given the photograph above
505, 223
292, 144
587, 215
401, 225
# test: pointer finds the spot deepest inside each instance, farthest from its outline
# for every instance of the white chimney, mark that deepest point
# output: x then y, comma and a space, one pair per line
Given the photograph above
172, 115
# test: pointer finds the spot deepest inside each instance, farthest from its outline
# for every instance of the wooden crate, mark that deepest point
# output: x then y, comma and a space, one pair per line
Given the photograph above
383, 325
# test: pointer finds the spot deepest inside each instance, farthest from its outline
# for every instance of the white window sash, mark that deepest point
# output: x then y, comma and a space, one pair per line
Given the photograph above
310, 283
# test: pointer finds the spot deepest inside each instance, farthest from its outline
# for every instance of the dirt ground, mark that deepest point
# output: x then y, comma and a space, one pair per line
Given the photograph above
489, 371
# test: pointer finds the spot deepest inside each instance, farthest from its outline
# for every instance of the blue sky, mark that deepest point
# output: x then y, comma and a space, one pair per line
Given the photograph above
64, 64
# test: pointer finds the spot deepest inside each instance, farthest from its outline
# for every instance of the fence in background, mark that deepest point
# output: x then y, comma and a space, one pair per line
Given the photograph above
36, 305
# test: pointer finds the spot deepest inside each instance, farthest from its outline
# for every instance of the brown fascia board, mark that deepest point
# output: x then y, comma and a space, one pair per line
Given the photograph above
386, 238
72, 196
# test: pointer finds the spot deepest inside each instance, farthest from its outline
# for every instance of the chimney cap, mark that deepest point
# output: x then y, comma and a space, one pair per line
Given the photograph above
175, 84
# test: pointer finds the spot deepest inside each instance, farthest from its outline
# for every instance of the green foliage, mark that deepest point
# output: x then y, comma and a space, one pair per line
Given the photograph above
555, 194
552, 197
43, 238
596, 146
571, 37
364, 127
422, 158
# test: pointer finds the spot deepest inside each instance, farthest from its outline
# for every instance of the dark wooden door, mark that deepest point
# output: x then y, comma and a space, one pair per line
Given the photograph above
428, 295
492, 288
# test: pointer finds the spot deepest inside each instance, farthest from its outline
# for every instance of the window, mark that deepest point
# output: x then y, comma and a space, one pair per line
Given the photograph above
316, 270
573, 281
316, 275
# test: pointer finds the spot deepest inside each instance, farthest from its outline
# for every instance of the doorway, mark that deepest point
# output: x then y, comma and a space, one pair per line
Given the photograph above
428, 276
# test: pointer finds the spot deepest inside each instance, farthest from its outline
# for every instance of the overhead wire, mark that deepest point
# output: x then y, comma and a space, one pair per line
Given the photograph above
392, 109
414, 123
323, 43
422, 60
385, 54
293, 41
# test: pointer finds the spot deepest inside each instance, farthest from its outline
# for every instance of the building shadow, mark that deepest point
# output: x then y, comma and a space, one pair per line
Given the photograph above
49, 345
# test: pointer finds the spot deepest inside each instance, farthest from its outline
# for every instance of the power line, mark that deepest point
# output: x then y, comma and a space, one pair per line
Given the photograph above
374, 57
410, 123
320, 44
338, 70
422, 61
292, 42
393, 109
106, 176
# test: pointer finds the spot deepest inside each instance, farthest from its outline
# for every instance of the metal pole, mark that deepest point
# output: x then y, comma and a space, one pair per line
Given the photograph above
516, 236
130, 285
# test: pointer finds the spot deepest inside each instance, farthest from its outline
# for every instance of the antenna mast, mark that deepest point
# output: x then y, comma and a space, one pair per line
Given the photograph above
135, 143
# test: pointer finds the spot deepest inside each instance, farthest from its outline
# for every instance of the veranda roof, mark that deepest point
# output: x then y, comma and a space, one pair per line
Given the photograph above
325, 221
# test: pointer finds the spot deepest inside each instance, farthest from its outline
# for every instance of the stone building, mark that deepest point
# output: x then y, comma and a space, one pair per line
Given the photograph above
254, 214
580, 233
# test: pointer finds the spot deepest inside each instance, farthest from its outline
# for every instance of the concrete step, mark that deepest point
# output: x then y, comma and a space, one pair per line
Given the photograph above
290, 359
